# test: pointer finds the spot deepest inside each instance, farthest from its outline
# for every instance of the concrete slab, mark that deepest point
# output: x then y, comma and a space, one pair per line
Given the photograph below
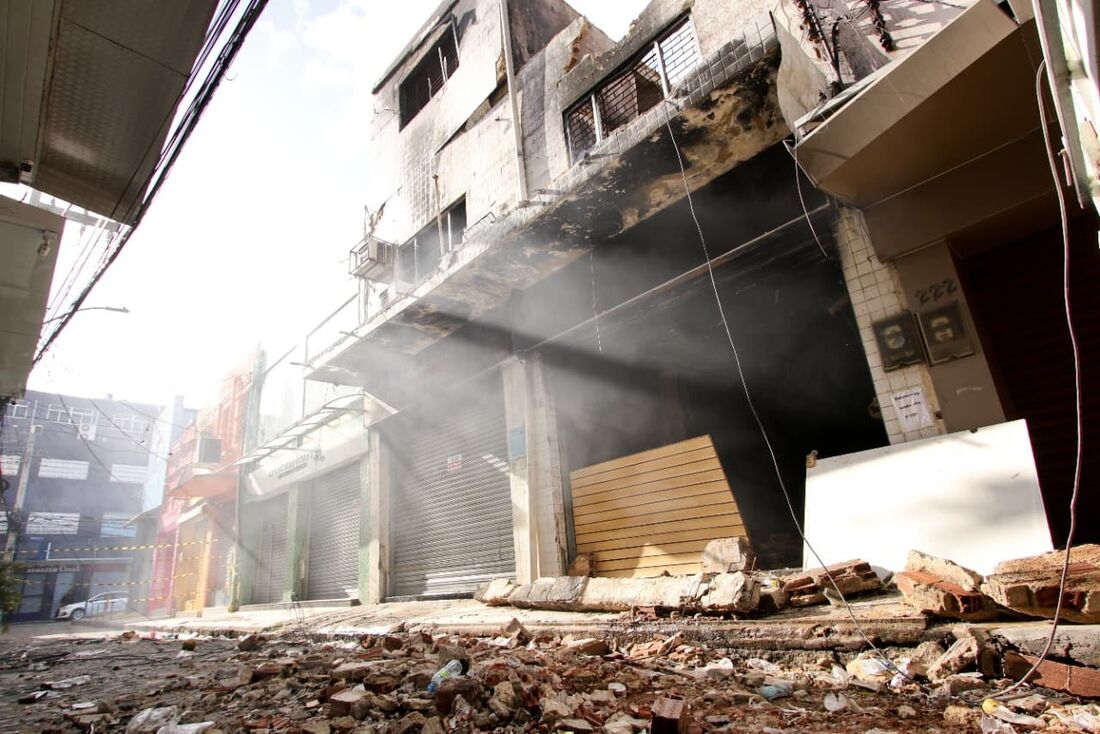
886, 618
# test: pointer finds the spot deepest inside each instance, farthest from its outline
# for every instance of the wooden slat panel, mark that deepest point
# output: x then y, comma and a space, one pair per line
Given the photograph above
713, 475
652, 512
651, 550
653, 522
657, 453
693, 530
646, 467
653, 561
648, 573
634, 514
697, 467
639, 501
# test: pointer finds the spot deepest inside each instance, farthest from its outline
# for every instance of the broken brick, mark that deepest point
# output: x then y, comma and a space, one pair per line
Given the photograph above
1030, 585
667, 716
343, 703
1076, 680
808, 588
933, 595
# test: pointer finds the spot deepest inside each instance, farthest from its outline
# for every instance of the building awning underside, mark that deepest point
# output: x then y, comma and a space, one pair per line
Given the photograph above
940, 142
90, 91
292, 436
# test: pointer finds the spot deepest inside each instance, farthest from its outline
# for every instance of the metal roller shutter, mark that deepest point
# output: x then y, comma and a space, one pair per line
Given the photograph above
334, 535
452, 511
271, 561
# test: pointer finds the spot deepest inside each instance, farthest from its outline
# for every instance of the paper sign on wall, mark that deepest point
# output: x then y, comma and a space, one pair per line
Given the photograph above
912, 409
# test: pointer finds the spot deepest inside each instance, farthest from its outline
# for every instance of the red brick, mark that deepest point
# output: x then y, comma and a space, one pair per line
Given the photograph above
1076, 680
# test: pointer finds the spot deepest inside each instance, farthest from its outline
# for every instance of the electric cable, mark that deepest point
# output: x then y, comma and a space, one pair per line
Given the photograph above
1064, 220
756, 416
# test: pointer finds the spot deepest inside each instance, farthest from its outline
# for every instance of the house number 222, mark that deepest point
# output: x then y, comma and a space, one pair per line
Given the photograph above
936, 291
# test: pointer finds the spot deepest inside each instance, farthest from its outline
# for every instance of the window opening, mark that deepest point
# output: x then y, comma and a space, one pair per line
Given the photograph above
421, 256
649, 78
63, 469
428, 77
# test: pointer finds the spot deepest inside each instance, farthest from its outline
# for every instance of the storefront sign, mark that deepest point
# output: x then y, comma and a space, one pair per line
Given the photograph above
325, 448
69, 568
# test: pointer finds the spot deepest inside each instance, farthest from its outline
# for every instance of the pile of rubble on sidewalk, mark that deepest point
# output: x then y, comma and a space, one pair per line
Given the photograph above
412, 681
728, 584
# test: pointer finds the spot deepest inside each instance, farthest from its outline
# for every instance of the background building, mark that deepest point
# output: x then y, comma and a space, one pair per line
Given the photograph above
84, 462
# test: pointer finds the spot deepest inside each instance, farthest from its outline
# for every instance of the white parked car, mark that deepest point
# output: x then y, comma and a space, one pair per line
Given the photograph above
105, 603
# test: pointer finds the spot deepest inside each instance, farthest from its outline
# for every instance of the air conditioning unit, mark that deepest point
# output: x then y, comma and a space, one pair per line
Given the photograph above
373, 259
86, 431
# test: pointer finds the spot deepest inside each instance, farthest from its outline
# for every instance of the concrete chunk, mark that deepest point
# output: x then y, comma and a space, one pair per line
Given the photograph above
944, 569
495, 593
728, 555
732, 592
1030, 585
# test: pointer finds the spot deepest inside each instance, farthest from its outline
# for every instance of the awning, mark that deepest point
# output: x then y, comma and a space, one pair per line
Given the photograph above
943, 141
290, 438
29, 238
206, 486
877, 143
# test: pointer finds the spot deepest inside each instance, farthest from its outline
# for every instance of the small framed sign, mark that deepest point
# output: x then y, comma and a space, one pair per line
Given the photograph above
898, 342
945, 334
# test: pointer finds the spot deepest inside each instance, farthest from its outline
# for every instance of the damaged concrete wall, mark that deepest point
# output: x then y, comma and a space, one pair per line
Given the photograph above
723, 31
405, 160
832, 45
875, 290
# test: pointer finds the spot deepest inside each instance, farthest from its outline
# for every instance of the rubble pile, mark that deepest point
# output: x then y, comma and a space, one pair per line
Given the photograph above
420, 680
729, 585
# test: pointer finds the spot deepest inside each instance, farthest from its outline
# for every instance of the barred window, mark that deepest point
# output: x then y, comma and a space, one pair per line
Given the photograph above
128, 473
53, 523
63, 469
116, 525
9, 464
649, 78
428, 78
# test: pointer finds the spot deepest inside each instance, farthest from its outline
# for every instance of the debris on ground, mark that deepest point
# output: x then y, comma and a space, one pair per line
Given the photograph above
739, 650
519, 678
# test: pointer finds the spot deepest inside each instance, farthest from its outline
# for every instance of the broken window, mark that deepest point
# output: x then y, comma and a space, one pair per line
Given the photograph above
427, 79
649, 78
420, 257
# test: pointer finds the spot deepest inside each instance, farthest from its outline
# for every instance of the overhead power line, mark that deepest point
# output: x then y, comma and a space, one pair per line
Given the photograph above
175, 146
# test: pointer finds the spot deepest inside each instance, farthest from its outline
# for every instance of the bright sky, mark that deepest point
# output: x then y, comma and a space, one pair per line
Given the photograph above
247, 241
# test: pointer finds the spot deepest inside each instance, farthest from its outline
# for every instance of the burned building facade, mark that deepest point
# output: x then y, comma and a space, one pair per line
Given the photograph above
602, 308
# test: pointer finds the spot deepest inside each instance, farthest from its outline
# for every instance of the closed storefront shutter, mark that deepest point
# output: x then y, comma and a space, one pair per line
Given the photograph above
270, 564
452, 510
334, 535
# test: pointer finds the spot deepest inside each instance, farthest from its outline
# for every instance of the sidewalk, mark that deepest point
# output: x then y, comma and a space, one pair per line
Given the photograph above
817, 628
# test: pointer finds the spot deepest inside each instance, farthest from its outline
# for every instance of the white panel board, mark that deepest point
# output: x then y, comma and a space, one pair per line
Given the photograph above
972, 497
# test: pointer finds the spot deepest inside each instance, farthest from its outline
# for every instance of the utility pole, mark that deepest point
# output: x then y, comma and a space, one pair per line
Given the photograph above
15, 515
250, 435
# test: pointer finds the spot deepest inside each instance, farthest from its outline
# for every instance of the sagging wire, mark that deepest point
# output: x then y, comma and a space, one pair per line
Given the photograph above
1064, 219
793, 149
595, 310
756, 416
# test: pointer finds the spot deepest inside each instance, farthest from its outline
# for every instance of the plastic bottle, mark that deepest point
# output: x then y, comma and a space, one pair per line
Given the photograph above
450, 669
